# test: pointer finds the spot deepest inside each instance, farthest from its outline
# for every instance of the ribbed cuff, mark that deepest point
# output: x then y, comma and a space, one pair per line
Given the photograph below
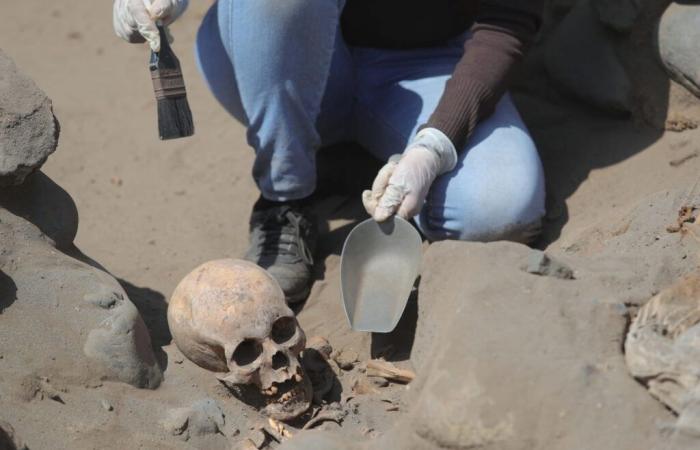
438, 142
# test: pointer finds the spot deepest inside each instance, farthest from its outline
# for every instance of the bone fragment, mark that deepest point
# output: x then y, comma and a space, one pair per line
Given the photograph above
278, 430
362, 386
346, 358
386, 370
248, 445
325, 416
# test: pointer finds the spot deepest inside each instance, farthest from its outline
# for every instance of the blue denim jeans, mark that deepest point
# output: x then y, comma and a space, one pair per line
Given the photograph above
283, 70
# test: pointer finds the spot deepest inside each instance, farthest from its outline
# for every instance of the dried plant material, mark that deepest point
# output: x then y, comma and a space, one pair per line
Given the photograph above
49, 391
677, 162
686, 214
388, 371
662, 348
679, 123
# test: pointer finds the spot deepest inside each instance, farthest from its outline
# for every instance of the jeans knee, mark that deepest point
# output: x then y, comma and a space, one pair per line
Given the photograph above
512, 213
470, 225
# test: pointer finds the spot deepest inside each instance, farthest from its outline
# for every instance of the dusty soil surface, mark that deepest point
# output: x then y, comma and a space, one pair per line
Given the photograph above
151, 211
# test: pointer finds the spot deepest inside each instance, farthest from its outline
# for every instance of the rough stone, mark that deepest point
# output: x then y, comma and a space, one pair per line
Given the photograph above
581, 59
81, 323
539, 263
203, 417
8, 438
619, 15
503, 351
28, 129
318, 440
678, 37
346, 358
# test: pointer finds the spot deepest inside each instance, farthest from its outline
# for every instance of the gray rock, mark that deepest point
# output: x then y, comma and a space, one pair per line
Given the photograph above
581, 59
503, 352
46, 205
678, 37
28, 129
82, 325
539, 263
8, 438
685, 433
619, 15
318, 440
202, 418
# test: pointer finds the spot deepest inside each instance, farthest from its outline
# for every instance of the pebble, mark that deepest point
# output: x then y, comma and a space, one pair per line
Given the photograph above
539, 263
258, 438
346, 359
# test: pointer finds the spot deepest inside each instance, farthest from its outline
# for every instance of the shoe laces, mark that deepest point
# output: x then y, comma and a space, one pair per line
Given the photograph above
283, 231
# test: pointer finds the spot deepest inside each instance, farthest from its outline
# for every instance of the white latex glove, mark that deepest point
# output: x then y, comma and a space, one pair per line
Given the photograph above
403, 183
135, 20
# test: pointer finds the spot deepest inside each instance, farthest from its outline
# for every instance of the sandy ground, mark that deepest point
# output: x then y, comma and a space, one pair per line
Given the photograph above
151, 211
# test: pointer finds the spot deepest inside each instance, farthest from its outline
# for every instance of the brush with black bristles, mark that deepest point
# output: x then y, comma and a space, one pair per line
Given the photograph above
174, 115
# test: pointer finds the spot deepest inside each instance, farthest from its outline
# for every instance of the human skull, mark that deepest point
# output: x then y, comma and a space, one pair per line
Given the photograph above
230, 316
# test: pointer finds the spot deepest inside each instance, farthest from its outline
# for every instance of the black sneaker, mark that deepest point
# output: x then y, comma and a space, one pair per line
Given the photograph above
282, 241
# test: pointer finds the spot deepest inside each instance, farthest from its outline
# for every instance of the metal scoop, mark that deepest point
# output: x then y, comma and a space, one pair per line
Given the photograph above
378, 266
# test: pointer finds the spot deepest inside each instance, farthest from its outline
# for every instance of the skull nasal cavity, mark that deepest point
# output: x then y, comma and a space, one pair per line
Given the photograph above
279, 361
246, 352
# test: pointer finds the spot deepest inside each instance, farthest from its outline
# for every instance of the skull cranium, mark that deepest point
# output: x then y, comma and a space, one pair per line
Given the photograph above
230, 316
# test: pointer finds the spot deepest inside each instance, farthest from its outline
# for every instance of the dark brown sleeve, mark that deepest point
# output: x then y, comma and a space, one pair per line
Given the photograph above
501, 34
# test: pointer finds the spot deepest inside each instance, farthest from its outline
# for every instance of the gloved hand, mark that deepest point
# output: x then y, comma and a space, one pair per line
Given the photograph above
403, 183
135, 20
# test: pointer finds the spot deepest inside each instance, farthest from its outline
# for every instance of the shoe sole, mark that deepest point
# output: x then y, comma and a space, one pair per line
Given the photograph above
298, 297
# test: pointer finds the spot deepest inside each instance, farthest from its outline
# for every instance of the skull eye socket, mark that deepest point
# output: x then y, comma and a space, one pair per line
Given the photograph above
283, 329
246, 352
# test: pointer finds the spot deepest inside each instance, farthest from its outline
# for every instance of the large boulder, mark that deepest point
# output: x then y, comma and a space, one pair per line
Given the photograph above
28, 129
8, 438
508, 359
678, 37
501, 352
619, 15
81, 325
581, 59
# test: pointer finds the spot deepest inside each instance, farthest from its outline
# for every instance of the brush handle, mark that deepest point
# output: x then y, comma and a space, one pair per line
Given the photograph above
165, 58
165, 70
